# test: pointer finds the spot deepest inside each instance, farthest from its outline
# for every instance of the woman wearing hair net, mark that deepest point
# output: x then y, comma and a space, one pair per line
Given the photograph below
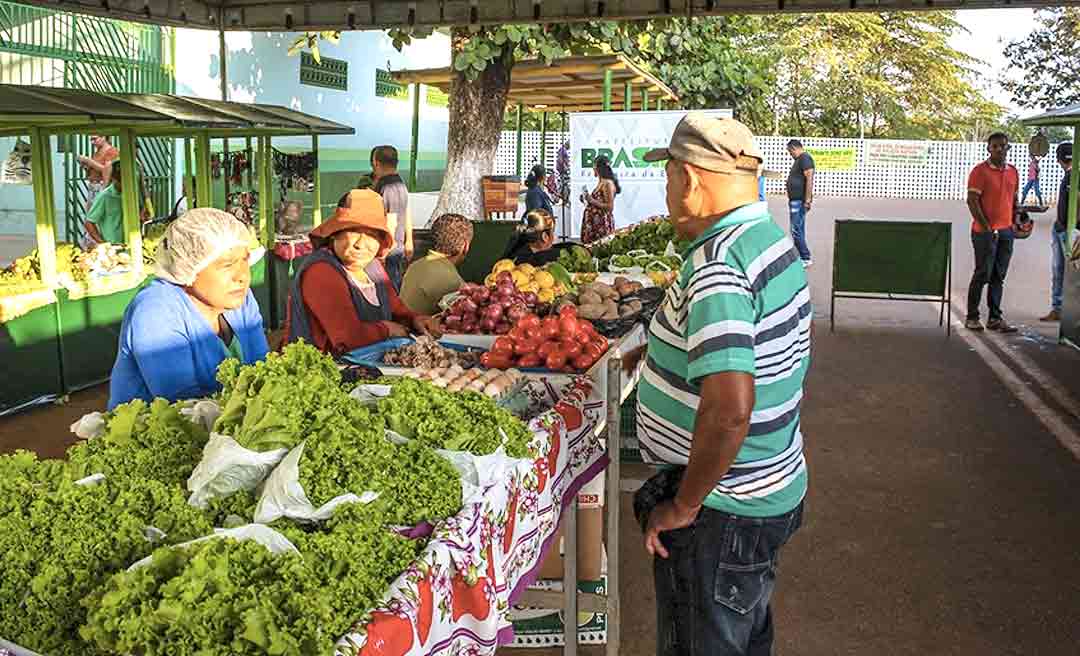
341, 298
436, 275
198, 312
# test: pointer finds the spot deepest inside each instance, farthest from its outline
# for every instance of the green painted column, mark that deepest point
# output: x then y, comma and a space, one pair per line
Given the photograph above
659, 104
264, 165
543, 139
129, 178
317, 195
45, 219
414, 150
644, 100
204, 192
189, 185
251, 165
608, 77
628, 100
520, 126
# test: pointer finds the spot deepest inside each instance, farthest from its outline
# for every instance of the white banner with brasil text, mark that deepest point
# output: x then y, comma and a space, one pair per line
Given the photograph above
624, 138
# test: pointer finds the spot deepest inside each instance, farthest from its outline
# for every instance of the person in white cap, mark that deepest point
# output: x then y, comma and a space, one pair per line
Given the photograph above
720, 398
196, 313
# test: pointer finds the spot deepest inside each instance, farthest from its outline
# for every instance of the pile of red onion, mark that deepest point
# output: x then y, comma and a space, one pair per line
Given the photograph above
489, 310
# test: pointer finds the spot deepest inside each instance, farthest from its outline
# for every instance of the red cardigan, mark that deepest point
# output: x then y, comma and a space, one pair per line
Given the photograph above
335, 328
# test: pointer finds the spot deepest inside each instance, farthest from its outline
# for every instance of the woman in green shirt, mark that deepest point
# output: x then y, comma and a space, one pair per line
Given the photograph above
435, 275
105, 220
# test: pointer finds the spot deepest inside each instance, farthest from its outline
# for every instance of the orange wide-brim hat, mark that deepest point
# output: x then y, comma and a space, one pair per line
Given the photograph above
365, 211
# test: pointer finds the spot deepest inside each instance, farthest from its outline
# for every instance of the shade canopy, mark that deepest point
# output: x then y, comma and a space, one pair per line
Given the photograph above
299, 15
1062, 116
74, 110
573, 84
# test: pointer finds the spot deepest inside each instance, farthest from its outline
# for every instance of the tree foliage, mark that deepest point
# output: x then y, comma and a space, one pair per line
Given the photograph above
1044, 66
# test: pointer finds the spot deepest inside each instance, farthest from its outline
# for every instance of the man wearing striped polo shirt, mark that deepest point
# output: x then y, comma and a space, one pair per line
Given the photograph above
719, 400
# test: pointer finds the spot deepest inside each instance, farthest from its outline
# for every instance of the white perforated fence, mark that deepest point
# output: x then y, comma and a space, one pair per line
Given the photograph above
854, 168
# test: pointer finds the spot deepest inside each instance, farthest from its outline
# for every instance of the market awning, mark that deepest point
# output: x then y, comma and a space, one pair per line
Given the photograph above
22, 107
573, 84
1069, 116
299, 15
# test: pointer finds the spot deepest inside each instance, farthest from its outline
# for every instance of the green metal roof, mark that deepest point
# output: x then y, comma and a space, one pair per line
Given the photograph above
1062, 116
24, 107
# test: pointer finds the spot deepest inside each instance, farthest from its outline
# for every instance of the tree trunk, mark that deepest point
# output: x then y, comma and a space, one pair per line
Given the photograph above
477, 108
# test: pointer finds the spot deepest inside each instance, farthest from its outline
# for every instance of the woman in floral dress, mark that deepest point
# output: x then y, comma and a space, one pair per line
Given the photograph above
599, 219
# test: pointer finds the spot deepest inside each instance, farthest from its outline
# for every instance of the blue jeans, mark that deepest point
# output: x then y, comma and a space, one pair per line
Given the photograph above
992, 256
1057, 267
1032, 184
395, 268
713, 589
797, 212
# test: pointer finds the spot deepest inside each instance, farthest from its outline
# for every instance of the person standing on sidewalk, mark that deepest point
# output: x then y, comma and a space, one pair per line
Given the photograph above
389, 185
800, 191
992, 187
98, 167
1033, 175
1058, 240
719, 400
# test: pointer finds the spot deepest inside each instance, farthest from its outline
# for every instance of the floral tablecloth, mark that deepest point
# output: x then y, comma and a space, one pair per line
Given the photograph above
456, 597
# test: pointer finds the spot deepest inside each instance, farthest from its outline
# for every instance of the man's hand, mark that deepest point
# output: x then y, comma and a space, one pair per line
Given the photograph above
427, 326
807, 203
667, 516
632, 359
408, 254
395, 329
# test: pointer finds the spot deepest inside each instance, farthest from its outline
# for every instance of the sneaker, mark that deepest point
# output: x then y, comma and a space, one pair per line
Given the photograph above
1055, 315
807, 263
1000, 326
974, 324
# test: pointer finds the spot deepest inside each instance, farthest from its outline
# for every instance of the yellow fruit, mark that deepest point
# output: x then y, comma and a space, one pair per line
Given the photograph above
520, 279
546, 295
559, 289
490, 280
526, 268
530, 287
503, 265
544, 279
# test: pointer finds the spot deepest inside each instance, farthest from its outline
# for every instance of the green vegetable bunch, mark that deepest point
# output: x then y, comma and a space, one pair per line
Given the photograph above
651, 236
276, 402
457, 421
143, 442
60, 541
577, 259
219, 597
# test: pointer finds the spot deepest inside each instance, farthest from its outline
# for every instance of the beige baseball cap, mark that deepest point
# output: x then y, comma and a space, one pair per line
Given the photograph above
723, 145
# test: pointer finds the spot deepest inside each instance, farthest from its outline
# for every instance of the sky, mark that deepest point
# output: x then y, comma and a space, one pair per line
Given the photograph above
988, 31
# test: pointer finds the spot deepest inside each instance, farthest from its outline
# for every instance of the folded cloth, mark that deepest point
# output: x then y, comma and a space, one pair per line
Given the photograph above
656, 490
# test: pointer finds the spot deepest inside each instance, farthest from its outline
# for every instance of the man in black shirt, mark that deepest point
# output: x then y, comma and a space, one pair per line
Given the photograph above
1058, 239
800, 191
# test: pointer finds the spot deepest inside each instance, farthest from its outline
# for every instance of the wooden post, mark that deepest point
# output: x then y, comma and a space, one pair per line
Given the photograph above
317, 200
265, 166
131, 197
414, 149
44, 207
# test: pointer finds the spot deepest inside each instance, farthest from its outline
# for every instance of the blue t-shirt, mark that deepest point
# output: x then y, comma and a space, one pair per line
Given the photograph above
536, 199
168, 350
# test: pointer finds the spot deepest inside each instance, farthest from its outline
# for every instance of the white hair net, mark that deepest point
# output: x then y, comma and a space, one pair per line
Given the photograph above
196, 239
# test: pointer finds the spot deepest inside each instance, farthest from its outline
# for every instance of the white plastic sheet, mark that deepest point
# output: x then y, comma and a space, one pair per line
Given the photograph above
89, 426
227, 467
275, 542
283, 496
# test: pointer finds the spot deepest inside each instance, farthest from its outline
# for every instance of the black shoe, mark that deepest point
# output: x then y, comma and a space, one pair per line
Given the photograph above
1000, 326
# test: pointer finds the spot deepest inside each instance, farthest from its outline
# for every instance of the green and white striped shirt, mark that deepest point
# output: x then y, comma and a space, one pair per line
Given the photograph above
741, 303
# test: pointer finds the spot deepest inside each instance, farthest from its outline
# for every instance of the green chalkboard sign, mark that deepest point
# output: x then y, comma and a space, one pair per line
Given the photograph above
892, 260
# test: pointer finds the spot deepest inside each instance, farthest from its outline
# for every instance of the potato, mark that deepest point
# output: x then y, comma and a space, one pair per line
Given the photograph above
593, 311
610, 314
627, 310
590, 298
621, 280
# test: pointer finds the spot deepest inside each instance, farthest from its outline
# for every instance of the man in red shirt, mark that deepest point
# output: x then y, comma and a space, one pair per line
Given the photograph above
992, 187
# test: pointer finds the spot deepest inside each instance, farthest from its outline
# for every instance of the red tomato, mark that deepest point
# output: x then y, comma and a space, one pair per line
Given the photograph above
592, 349
549, 331
583, 338
503, 344
546, 348
602, 342
529, 321
555, 360
550, 320
526, 346
587, 326
485, 360
529, 360
535, 333
499, 361
517, 333
582, 362
568, 326
572, 348
568, 310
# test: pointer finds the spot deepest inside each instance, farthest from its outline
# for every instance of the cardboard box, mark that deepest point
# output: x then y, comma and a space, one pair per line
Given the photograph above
539, 627
590, 536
